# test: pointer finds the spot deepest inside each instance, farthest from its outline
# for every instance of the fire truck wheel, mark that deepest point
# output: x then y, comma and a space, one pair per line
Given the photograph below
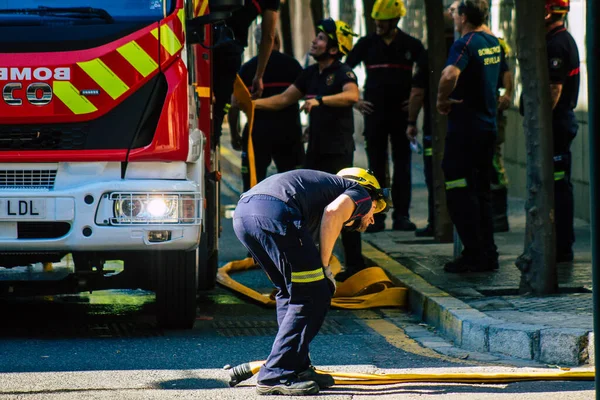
176, 277
207, 276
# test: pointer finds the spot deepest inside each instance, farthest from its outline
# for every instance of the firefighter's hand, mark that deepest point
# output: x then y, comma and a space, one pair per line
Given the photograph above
503, 103
308, 105
330, 277
257, 87
445, 106
365, 107
411, 133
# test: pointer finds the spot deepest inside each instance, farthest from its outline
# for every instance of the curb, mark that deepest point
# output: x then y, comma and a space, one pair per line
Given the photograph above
464, 325
472, 329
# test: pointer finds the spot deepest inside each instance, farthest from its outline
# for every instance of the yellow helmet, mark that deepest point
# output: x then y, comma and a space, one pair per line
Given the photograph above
338, 31
388, 9
367, 180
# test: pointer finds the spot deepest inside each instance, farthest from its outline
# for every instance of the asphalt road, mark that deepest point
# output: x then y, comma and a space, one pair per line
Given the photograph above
106, 345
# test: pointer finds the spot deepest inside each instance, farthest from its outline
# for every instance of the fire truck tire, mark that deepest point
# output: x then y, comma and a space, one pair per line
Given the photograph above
176, 274
209, 262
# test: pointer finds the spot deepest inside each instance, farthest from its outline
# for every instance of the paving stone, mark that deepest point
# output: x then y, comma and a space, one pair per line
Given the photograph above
564, 346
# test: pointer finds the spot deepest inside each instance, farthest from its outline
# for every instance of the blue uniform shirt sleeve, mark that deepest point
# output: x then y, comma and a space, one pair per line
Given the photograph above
357, 54
301, 82
459, 53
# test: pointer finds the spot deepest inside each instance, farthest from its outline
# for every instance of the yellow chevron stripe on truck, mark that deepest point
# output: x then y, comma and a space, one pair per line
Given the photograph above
104, 77
138, 58
69, 95
168, 39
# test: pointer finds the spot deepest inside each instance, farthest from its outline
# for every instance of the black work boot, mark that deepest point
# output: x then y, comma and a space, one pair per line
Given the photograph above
323, 380
461, 264
427, 231
289, 388
404, 224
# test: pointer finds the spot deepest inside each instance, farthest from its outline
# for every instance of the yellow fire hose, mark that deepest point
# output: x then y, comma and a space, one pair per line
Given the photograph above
245, 371
368, 288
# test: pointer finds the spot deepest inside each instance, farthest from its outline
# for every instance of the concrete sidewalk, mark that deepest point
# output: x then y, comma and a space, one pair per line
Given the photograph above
481, 312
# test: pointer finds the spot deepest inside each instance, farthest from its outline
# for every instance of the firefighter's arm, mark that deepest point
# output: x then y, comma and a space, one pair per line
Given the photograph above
447, 84
415, 103
555, 92
335, 214
347, 97
280, 101
508, 83
269, 23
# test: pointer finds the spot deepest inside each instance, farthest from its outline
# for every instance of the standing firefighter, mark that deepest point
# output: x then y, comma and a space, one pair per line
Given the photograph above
231, 39
331, 91
563, 61
281, 221
467, 94
389, 56
276, 136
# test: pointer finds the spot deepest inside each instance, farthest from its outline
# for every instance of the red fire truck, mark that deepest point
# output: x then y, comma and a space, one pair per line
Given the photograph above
105, 146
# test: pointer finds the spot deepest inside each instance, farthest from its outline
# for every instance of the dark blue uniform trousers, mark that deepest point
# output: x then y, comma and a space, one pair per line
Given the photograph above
272, 232
564, 131
466, 165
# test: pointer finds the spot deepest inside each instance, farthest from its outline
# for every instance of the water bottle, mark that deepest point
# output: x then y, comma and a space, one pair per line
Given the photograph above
416, 146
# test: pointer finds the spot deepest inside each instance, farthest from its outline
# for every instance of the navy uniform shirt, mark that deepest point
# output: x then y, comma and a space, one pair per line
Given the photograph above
563, 59
479, 57
389, 67
310, 192
421, 81
242, 18
331, 128
281, 72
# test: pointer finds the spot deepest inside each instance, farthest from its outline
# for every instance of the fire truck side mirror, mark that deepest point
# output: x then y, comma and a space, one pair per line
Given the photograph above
220, 10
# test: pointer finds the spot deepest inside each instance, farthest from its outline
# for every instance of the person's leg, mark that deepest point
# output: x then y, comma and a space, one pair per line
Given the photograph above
428, 169
376, 146
485, 142
461, 198
401, 180
289, 154
563, 204
227, 61
499, 181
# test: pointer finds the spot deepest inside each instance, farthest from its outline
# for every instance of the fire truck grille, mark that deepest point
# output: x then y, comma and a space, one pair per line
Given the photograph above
27, 179
55, 137
42, 230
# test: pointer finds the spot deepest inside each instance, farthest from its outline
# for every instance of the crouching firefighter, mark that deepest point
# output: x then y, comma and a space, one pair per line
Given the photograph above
289, 223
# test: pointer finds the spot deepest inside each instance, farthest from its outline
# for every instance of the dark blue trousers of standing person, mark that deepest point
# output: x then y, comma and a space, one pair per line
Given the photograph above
271, 230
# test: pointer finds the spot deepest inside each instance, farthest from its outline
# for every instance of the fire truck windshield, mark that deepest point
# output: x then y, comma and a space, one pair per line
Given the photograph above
28, 12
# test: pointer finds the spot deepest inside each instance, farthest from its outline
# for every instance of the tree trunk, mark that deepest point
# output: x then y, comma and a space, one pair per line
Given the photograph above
436, 44
367, 7
593, 57
286, 28
316, 8
538, 261
347, 12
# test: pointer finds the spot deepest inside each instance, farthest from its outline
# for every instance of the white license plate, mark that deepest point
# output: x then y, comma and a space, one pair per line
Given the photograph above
22, 208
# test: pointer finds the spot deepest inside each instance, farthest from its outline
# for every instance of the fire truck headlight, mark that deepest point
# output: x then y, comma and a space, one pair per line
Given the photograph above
158, 208
155, 208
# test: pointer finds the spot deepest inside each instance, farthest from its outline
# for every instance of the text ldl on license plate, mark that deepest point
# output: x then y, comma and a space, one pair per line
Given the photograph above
22, 208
